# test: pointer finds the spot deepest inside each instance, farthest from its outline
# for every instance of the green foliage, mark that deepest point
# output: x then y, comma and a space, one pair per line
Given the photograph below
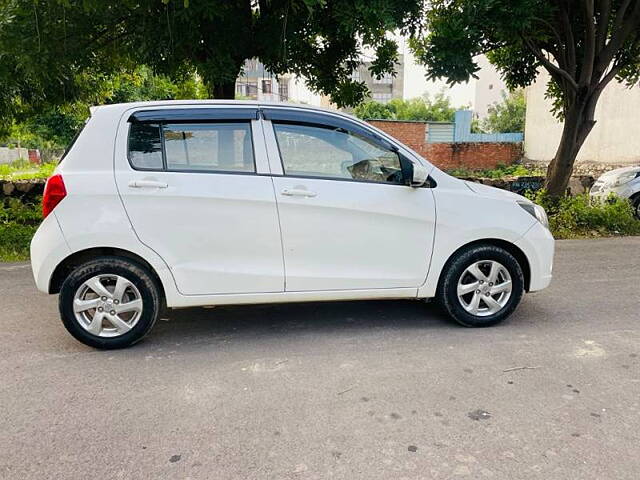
507, 116
574, 217
418, 109
54, 126
18, 223
372, 110
54, 51
501, 171
23, 170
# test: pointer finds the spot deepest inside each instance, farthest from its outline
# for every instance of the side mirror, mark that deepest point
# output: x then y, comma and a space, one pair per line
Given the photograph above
419, 175
414, 174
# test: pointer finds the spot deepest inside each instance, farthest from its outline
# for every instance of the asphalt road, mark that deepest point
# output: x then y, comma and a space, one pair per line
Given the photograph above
368, 390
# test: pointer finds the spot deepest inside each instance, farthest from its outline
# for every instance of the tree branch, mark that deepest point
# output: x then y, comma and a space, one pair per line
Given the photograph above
604, 8
548, 64
571, 44
560, 51
624, 26
588, 59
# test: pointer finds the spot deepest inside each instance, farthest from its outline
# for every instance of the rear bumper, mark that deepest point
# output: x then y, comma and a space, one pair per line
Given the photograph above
539, 246
48, 249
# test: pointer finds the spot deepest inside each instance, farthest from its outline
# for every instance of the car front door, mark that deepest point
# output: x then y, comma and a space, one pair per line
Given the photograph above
349, 220
190, 180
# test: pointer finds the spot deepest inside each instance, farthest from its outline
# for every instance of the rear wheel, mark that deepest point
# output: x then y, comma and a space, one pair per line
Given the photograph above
109, 302
481, 286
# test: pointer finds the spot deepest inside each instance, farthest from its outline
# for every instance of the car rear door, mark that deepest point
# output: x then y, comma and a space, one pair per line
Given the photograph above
195, 184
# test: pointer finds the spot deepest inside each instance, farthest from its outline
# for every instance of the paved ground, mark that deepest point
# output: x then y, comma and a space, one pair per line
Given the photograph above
371, 390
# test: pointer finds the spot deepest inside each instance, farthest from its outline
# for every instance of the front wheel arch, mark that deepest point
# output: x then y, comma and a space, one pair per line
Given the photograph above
518, 254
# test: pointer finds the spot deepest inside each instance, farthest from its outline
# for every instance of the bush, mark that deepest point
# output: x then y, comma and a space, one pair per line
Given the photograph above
23, 170
576, 217
18, 223
500, 171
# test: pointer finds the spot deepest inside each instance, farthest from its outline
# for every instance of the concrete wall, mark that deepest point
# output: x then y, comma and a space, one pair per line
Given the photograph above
614, 140
450, 155
8, 155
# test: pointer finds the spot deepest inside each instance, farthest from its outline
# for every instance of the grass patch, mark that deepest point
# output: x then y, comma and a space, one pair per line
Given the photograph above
577, 217
18, 223
24, 170
501, 171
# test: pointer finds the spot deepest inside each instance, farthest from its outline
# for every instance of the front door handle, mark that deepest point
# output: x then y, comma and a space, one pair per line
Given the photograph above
147, 184
298, 192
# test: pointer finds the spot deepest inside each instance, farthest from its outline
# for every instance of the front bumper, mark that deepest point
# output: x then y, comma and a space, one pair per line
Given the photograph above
539, 247
601, 191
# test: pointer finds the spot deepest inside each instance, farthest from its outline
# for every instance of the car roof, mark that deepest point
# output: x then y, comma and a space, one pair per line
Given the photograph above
122, 107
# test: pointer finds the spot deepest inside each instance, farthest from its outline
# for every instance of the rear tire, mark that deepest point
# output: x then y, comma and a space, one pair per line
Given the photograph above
109, 302
481, 286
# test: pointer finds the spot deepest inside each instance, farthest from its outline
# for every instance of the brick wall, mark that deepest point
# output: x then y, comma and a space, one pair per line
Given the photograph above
473, 156
469, 155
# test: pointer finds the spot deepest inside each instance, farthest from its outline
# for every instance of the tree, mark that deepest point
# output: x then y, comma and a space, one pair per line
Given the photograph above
46, 46
52, 127
418, 109
507, 116
583, 44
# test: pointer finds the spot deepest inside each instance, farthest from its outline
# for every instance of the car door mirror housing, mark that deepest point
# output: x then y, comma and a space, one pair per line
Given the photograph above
415, 175
419, 175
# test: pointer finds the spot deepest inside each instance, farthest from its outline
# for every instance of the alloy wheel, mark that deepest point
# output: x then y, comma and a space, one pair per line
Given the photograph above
107, 305
484, 288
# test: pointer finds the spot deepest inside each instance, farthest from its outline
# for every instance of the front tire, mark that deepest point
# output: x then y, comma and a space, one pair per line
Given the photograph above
109, 302
481, 286
635, 201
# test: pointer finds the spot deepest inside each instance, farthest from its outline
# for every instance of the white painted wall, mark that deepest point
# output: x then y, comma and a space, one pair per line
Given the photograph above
489, 87
615, 139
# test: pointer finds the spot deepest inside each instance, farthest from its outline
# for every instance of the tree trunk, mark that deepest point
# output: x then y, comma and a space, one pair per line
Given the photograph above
225, 91
577, 125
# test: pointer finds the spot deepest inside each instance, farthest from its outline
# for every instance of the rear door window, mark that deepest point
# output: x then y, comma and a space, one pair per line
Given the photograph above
209, 147
192, 147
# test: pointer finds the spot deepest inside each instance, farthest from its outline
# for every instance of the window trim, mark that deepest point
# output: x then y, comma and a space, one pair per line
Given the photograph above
165, 168
194, 115
274, 123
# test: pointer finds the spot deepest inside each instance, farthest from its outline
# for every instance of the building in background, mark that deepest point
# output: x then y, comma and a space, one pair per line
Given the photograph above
489, 88
257, 83
614, 140
385, 88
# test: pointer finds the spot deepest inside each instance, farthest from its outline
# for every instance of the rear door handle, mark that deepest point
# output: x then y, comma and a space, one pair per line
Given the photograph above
298, 192
147, 184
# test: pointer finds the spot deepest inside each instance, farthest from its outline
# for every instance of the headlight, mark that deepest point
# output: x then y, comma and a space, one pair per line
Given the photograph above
622, 179
536, 211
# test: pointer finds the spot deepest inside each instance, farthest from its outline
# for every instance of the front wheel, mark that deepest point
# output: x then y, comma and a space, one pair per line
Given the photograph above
636, 206
481, 286
109, 302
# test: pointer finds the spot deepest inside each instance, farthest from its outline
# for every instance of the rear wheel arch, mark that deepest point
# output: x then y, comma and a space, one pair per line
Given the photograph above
518, 254
76, 259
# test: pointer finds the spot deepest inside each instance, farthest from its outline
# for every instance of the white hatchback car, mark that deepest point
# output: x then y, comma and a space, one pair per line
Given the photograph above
192, 203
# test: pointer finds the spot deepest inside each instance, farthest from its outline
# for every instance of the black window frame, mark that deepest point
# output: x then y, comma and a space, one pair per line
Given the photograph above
169, 117
405, 163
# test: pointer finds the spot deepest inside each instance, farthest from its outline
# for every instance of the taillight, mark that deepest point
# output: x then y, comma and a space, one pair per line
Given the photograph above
54, 192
